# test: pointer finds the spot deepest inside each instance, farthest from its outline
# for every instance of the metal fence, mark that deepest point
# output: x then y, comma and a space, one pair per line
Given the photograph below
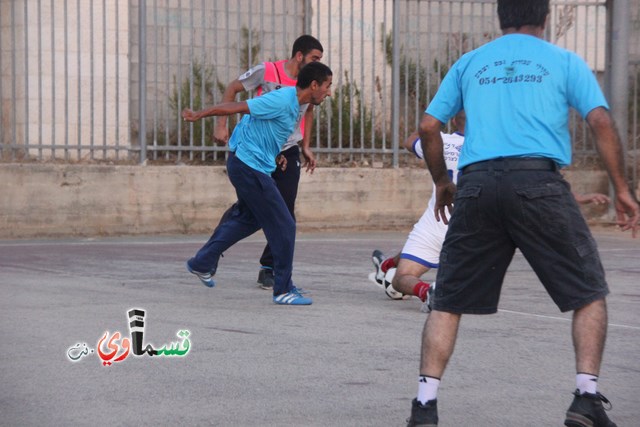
633, 144
74, 71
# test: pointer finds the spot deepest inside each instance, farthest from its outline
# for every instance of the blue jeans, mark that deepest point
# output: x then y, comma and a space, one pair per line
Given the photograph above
287, 183
259, 205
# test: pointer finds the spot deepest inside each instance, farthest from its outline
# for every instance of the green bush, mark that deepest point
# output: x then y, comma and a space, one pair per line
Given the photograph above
201, 81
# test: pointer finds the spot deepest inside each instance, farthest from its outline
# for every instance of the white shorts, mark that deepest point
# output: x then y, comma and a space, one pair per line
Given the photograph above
425, 241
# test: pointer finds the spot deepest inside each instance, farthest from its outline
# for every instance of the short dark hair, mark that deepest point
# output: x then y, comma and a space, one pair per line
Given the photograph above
518, 13
313, 71
305, 44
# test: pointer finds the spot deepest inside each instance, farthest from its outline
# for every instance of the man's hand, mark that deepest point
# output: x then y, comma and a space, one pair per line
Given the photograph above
189, 115
281, 162
309, 160
445, 194
221, 133
610, 151
595, 198
627, 212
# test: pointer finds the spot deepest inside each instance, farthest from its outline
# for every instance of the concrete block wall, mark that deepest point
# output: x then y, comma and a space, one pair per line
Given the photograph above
47, 200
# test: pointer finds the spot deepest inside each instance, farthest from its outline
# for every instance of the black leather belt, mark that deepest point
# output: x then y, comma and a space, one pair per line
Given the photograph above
513, 164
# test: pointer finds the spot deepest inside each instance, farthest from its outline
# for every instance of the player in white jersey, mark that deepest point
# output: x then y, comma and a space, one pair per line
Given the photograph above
425, 240
400, 275
421, 252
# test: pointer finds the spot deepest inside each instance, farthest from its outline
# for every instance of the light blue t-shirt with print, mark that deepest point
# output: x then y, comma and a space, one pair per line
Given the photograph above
516, 92
259, 136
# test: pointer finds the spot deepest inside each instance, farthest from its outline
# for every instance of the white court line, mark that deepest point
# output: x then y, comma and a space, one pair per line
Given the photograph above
637, 328
125, 241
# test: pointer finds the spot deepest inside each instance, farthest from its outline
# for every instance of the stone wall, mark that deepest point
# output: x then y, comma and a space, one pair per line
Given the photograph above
88, 200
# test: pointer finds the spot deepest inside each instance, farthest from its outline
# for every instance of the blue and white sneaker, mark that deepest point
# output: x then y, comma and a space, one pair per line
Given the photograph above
205, 278
292, 297
299, 291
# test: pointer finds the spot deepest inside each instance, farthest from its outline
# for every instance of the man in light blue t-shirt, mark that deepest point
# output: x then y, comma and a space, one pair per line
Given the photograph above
517, 91
255, 143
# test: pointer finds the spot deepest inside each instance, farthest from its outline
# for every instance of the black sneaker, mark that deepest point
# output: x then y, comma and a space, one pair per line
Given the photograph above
423, 415
426, 306
587, 410
377, 257
266, 279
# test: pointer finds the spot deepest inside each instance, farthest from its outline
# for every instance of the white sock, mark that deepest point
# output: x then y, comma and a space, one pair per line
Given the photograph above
427, 388
586, 383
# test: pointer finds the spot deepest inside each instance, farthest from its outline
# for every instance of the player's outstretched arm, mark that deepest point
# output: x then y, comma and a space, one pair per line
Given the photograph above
223, 109
595, 198
610, 150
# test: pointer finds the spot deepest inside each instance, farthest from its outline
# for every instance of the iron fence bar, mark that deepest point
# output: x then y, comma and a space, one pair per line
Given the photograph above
2, 128
39, 21
53, 82
417, 88
66, 81
202, 85
156, 27
635, 136
307, 16
92, 82
395, 78
79, 100
142, 79
104, 80
191, 76
117, 82
329, 115
340, 85
26, 73
14, 118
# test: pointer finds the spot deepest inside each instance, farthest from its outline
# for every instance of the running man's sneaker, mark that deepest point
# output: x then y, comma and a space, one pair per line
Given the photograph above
266, 279
299, 291
377, 257
426, 306
587, 410
292, 297
423, 415
205, 278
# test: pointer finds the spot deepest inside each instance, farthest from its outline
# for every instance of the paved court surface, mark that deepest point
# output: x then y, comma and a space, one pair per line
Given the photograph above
351, 359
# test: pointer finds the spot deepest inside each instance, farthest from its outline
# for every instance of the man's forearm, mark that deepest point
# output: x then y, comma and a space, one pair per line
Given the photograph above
434, 157
223, 109
432, 148
229, 95
609, 147
308, 127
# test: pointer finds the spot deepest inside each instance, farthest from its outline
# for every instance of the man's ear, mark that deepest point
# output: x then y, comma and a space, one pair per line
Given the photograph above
299, 56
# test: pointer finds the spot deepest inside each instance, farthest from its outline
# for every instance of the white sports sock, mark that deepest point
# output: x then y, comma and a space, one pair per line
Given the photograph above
427, 388
587, 383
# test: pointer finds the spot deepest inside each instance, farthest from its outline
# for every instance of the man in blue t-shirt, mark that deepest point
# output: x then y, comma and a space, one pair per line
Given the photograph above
516, 91
255, 143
